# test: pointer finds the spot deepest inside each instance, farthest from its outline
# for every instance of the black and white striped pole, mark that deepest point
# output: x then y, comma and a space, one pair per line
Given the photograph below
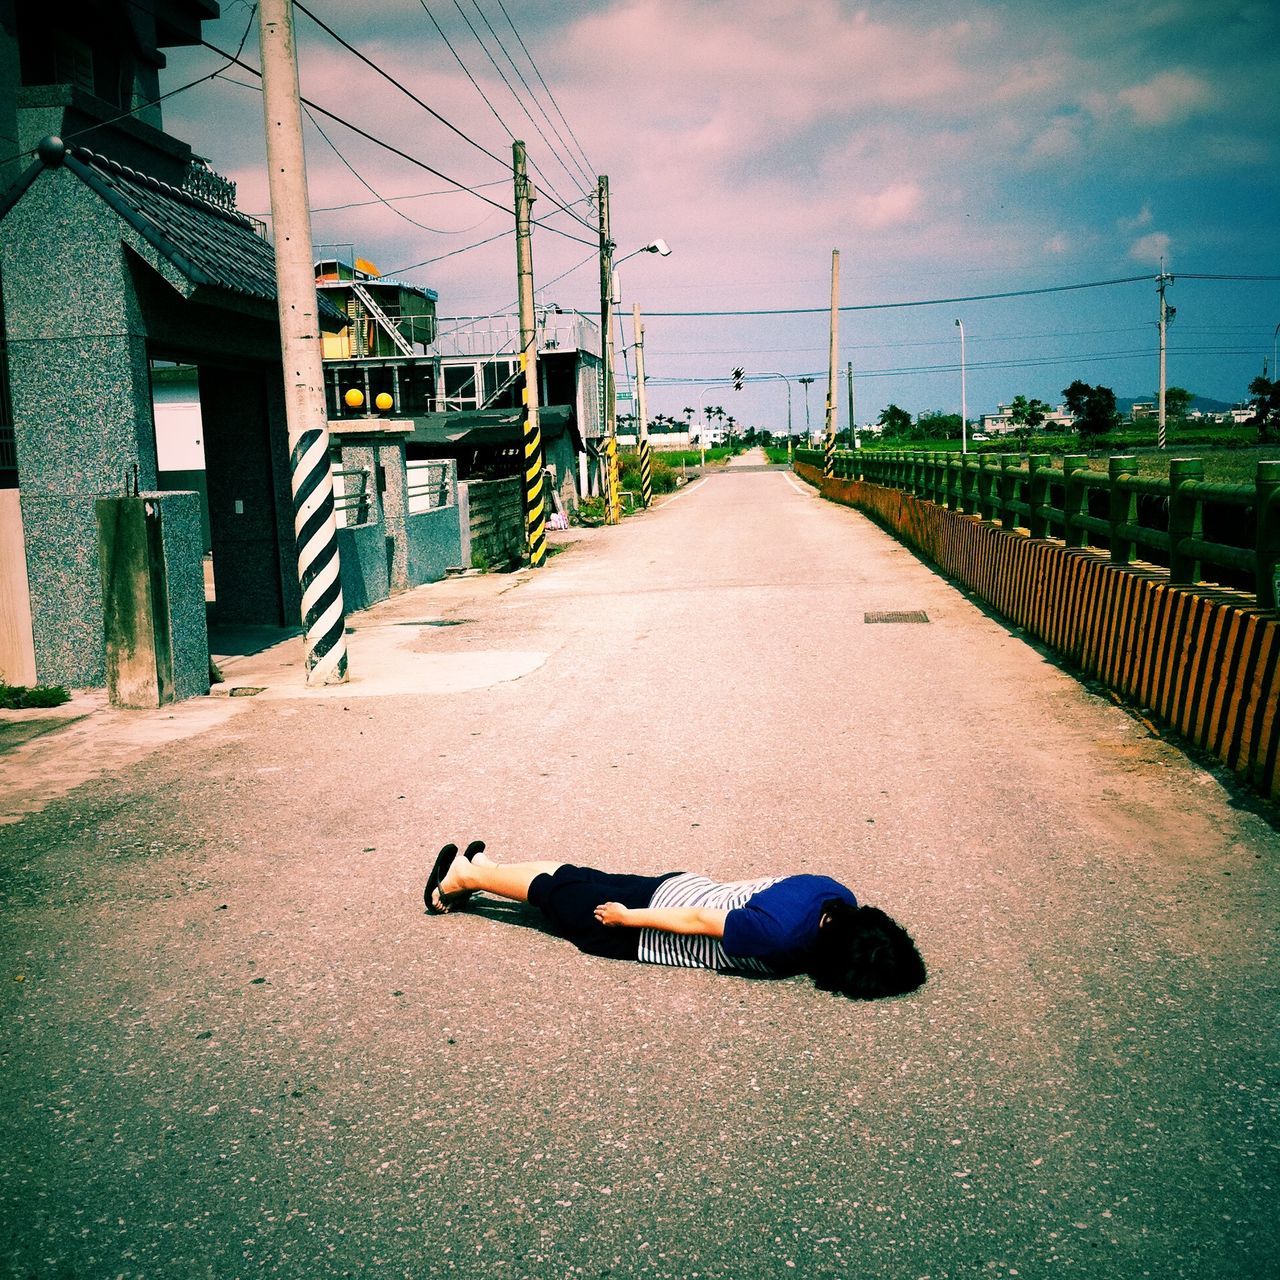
642, 413
306, 414
829, 445
535, 513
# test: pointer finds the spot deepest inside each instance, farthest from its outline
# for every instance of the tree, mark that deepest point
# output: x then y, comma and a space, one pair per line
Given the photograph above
894, 421
1075, 397
1264, 394
1028, 414
936, 425
1177, 400
1099, 415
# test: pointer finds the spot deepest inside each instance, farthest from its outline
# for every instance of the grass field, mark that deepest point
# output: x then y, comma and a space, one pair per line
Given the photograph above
1230, 457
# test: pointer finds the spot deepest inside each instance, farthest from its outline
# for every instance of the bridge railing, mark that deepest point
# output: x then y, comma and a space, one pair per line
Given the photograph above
1183, 522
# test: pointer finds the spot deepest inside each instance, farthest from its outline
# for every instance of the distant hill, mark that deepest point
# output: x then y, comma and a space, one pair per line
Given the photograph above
1206, 405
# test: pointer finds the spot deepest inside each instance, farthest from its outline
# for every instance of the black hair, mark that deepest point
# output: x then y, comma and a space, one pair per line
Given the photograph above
863, 953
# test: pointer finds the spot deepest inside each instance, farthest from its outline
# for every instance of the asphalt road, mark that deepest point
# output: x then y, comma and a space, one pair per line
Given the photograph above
234, 1045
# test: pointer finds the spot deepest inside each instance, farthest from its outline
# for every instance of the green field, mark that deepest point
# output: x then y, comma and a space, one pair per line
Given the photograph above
1230, 455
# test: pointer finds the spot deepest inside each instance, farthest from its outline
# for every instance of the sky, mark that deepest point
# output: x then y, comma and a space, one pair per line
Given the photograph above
947, 151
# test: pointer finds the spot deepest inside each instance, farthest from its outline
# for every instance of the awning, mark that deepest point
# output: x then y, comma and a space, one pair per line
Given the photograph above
476, 428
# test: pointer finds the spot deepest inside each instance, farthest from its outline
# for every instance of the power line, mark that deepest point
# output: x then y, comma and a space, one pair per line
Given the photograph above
484, 48
386, 75
387, 146
533, 97
493, 62
475, 84
1010, 363
889, 306
426, 262
419, 195
378, 199
590, 167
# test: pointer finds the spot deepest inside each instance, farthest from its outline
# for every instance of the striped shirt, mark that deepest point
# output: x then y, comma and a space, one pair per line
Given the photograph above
694, 951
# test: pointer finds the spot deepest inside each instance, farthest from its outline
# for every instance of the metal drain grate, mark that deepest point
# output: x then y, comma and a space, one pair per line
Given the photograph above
896, 615
434, 622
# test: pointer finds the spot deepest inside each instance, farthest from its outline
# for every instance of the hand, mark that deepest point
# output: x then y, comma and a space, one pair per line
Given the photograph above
611, 913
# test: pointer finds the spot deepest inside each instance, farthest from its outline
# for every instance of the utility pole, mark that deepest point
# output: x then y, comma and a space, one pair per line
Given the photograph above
642, 419
535, 515
612, 499
306, 414
853, 416
1166, 314
829, 449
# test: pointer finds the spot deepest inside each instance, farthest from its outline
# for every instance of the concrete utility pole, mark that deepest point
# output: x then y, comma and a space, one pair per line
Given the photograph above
534, 507
964, 406
829, 450
853, 416
1166, 314
612, 501
306, 415
642, 418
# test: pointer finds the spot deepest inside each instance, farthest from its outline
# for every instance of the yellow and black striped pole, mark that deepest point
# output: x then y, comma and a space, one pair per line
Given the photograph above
642, 415
613, 480
535, 510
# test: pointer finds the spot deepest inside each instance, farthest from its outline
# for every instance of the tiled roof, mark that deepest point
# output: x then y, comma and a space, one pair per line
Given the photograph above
208, 244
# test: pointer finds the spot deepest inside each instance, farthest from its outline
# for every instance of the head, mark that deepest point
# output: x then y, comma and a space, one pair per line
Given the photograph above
863, 953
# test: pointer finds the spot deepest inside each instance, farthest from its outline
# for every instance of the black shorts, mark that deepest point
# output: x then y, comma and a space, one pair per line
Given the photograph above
568, 898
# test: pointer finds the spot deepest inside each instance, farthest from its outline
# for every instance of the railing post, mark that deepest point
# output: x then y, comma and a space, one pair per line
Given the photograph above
1075, 499
985, 504
1004, 490
1185, 518
1124, 508
931, 476
1267, 486
968, 485
1038, 494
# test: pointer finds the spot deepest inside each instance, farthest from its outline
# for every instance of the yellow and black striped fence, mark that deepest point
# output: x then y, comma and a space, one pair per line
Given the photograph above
1204, 658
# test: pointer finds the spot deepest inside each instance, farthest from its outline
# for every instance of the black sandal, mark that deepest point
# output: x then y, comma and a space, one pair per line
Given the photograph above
444, 860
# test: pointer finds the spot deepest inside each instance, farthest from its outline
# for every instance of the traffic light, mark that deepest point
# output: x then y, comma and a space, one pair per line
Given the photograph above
738, 375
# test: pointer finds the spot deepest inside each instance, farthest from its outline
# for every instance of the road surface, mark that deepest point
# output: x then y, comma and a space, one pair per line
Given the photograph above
234, 1045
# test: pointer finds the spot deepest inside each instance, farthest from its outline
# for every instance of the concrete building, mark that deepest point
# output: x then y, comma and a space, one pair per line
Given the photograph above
1001, 422
151, 267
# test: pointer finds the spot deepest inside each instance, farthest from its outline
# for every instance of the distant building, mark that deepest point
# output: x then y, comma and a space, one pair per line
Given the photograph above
1142, 409
1001, 423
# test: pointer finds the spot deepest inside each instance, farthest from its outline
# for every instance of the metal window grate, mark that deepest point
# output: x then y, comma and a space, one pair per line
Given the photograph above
896, 615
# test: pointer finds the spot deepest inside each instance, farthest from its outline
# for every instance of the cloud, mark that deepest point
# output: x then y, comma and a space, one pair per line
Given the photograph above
1141, 219
1057, 244
1169, 98
1153, 247
897, 204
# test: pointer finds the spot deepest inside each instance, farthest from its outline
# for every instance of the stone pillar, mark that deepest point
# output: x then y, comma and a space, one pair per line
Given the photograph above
378, 444
81, 391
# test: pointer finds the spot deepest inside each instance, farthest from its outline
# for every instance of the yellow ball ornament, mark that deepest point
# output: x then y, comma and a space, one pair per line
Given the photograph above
383, 400
354, 398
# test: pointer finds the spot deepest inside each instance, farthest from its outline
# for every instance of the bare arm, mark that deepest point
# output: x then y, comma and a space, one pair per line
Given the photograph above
707, 921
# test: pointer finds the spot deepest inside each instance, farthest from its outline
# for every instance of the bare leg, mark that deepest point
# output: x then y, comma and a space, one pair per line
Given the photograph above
511, 880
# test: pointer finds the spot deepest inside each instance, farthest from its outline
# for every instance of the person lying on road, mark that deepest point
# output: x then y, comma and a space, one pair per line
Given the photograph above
775, 926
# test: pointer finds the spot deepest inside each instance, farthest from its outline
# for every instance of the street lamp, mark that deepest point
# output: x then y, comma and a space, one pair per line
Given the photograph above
806, 383
964, 406
787, 380
1274, 336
